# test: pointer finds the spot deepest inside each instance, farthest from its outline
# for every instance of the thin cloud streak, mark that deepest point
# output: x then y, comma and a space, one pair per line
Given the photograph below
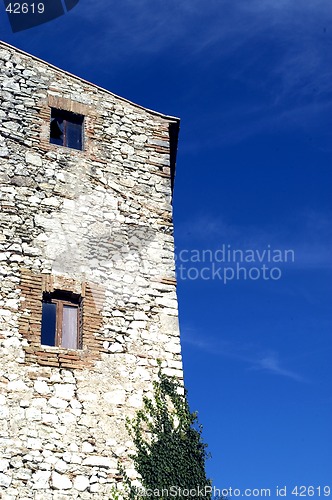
267, 362
271, 364
215, 29
203, 34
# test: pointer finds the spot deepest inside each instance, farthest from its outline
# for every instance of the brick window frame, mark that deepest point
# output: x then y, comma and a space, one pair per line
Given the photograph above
33, 287
91, 118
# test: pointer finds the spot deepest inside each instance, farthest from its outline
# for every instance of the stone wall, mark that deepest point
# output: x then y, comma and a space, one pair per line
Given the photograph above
98, 223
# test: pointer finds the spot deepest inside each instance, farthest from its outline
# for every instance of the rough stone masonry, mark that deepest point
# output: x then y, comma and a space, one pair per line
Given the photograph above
94, 225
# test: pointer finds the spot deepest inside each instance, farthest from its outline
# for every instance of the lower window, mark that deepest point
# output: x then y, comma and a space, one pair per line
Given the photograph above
61, 320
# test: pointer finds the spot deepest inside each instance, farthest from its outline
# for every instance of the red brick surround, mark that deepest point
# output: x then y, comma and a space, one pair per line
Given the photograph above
32, 287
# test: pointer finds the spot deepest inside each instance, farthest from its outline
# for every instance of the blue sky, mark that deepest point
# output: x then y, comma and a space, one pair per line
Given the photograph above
251, 82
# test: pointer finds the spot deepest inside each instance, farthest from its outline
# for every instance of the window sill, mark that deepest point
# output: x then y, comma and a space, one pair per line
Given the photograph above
58, 357
55, 348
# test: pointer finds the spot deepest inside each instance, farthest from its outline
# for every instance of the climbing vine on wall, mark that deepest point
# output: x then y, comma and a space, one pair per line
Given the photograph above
170, 454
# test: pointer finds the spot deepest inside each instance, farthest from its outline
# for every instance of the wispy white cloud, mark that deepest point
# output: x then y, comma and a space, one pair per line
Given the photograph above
208, 31
272, 364
214, 28
255, 358
280, 47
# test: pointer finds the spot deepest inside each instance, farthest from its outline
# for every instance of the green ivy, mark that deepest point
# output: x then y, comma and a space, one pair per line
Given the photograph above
170, 454
115, 494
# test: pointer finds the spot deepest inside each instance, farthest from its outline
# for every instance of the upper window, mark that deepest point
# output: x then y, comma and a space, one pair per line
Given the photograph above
61, 319
66, 129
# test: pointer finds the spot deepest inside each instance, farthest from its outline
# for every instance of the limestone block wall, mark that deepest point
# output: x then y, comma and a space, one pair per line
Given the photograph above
97, 223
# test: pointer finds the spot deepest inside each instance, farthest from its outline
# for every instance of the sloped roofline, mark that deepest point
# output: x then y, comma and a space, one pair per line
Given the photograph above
174, 122
156, 113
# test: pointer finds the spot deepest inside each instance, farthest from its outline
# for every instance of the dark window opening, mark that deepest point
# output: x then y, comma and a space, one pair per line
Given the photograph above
61, 320
66, 129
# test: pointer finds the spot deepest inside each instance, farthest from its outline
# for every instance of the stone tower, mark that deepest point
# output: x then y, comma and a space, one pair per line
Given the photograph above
87, 282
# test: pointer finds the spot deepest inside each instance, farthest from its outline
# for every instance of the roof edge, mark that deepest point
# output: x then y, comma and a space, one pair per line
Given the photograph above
171, 119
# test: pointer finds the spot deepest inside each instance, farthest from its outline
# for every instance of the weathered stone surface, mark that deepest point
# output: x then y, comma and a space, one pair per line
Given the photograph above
5, 480
61, 482
58, 403
41, 387
81, 483
97, 224
87, 447
33, 159
97, 461
41, 480
17, 386
116, 397
4, 464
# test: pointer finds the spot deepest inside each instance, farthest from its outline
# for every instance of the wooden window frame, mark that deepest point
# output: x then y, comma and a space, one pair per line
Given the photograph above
60, 303
59, 320
65, 126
